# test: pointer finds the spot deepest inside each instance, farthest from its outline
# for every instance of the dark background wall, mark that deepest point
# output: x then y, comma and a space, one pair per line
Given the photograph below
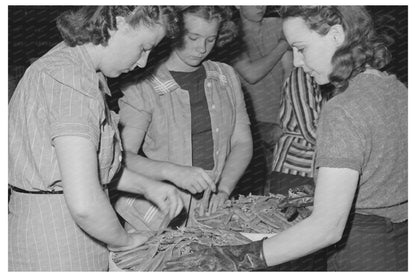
32, 32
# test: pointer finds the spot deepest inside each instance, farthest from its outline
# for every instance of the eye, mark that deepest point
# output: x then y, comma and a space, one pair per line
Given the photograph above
193, 38
300, 50
211, 40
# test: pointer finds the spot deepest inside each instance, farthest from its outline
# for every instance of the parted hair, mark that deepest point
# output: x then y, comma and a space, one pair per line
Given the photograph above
228, 29
362, 45
92, 23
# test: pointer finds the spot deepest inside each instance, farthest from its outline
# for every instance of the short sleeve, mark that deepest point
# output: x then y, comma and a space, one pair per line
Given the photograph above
241, 112
340, 143
71, 112
136, 106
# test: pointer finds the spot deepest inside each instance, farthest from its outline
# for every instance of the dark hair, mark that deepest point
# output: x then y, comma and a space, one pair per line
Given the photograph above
92, 23
227, 31
362, 45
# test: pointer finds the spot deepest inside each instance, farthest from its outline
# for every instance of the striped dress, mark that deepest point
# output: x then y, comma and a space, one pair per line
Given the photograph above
300, 108
60, 94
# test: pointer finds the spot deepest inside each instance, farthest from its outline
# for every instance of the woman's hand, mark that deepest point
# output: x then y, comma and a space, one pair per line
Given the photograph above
135, 239
217, 200
192, 179
165, 196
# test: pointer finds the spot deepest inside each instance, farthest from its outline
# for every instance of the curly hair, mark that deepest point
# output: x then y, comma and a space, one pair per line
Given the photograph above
92, 23
362, 45
228, 29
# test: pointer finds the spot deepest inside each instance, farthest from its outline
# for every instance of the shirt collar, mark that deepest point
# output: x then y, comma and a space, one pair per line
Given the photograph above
99, 78
164, 83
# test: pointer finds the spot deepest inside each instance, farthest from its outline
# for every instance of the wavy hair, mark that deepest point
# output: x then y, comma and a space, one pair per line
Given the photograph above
228, 30
362, 45
93, 23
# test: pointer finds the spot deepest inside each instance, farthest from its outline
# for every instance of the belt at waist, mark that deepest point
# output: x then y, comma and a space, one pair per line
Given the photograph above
16, 189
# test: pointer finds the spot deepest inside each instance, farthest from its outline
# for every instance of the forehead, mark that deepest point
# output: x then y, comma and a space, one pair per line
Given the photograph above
295, 29
199, 25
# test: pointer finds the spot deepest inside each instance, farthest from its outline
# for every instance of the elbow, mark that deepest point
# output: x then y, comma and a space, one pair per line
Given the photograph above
333, 235
252, 79
80, 210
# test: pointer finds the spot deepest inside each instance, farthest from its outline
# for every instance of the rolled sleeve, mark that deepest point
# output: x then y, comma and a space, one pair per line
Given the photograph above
135, 107
340, 142
72, 113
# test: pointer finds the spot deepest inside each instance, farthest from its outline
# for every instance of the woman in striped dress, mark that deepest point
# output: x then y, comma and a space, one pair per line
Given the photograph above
294, 154
64, 145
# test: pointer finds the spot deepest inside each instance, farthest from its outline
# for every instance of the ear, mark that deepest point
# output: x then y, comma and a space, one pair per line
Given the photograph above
337, 34
121, 22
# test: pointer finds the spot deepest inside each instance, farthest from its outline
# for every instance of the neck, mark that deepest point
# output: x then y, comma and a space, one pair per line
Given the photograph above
175, 63
248, 23
95, 53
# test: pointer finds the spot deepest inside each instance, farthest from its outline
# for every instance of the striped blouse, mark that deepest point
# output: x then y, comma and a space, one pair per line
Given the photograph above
300, 108
60, 94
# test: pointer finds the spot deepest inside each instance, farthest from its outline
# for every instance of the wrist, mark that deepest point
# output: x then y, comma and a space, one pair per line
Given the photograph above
168, 171
224, 191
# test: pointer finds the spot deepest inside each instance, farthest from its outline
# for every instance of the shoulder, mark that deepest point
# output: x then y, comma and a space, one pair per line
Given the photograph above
66, 70
219, 67
275, 21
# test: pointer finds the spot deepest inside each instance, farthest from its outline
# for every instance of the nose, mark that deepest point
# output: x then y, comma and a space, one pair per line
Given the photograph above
297, 59
143, 60
202, 47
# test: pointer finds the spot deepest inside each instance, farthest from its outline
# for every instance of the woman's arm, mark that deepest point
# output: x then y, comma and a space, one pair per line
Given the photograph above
86, 200
165, 196
334, 195
193, 179
235, 165
254, 70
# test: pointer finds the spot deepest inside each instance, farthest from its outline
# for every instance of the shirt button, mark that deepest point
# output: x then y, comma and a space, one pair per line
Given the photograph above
217, 152
209, 85
120, 158
216, 130
213, 106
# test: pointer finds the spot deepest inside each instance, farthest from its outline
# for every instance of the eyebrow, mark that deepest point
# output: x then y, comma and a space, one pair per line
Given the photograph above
196, 34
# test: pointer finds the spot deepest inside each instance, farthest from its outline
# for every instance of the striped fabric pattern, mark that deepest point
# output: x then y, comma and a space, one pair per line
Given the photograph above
60, 94
45, 238
299, 113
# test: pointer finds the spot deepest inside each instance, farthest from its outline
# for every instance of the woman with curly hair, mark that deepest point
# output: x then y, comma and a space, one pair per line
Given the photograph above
190, 117
64, 145
361, 197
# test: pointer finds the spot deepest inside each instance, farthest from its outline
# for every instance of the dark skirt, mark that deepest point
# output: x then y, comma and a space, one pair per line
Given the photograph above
370, 243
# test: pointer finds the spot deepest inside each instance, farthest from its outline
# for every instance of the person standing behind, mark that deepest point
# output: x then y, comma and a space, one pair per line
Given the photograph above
294, 154
264, 66
64, 145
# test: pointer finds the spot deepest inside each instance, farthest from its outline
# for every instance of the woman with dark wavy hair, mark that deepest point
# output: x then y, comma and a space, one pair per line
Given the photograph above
360, 204
64, 145
191, 118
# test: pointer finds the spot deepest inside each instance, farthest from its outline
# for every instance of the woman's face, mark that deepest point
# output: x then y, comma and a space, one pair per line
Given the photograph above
200, 37
253, 13
129, 47
311, 51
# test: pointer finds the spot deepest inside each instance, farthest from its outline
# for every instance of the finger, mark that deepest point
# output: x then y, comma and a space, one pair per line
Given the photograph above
191, 188
173, 203
179, 208
214, 205
162, 204
200, 184
209, 181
